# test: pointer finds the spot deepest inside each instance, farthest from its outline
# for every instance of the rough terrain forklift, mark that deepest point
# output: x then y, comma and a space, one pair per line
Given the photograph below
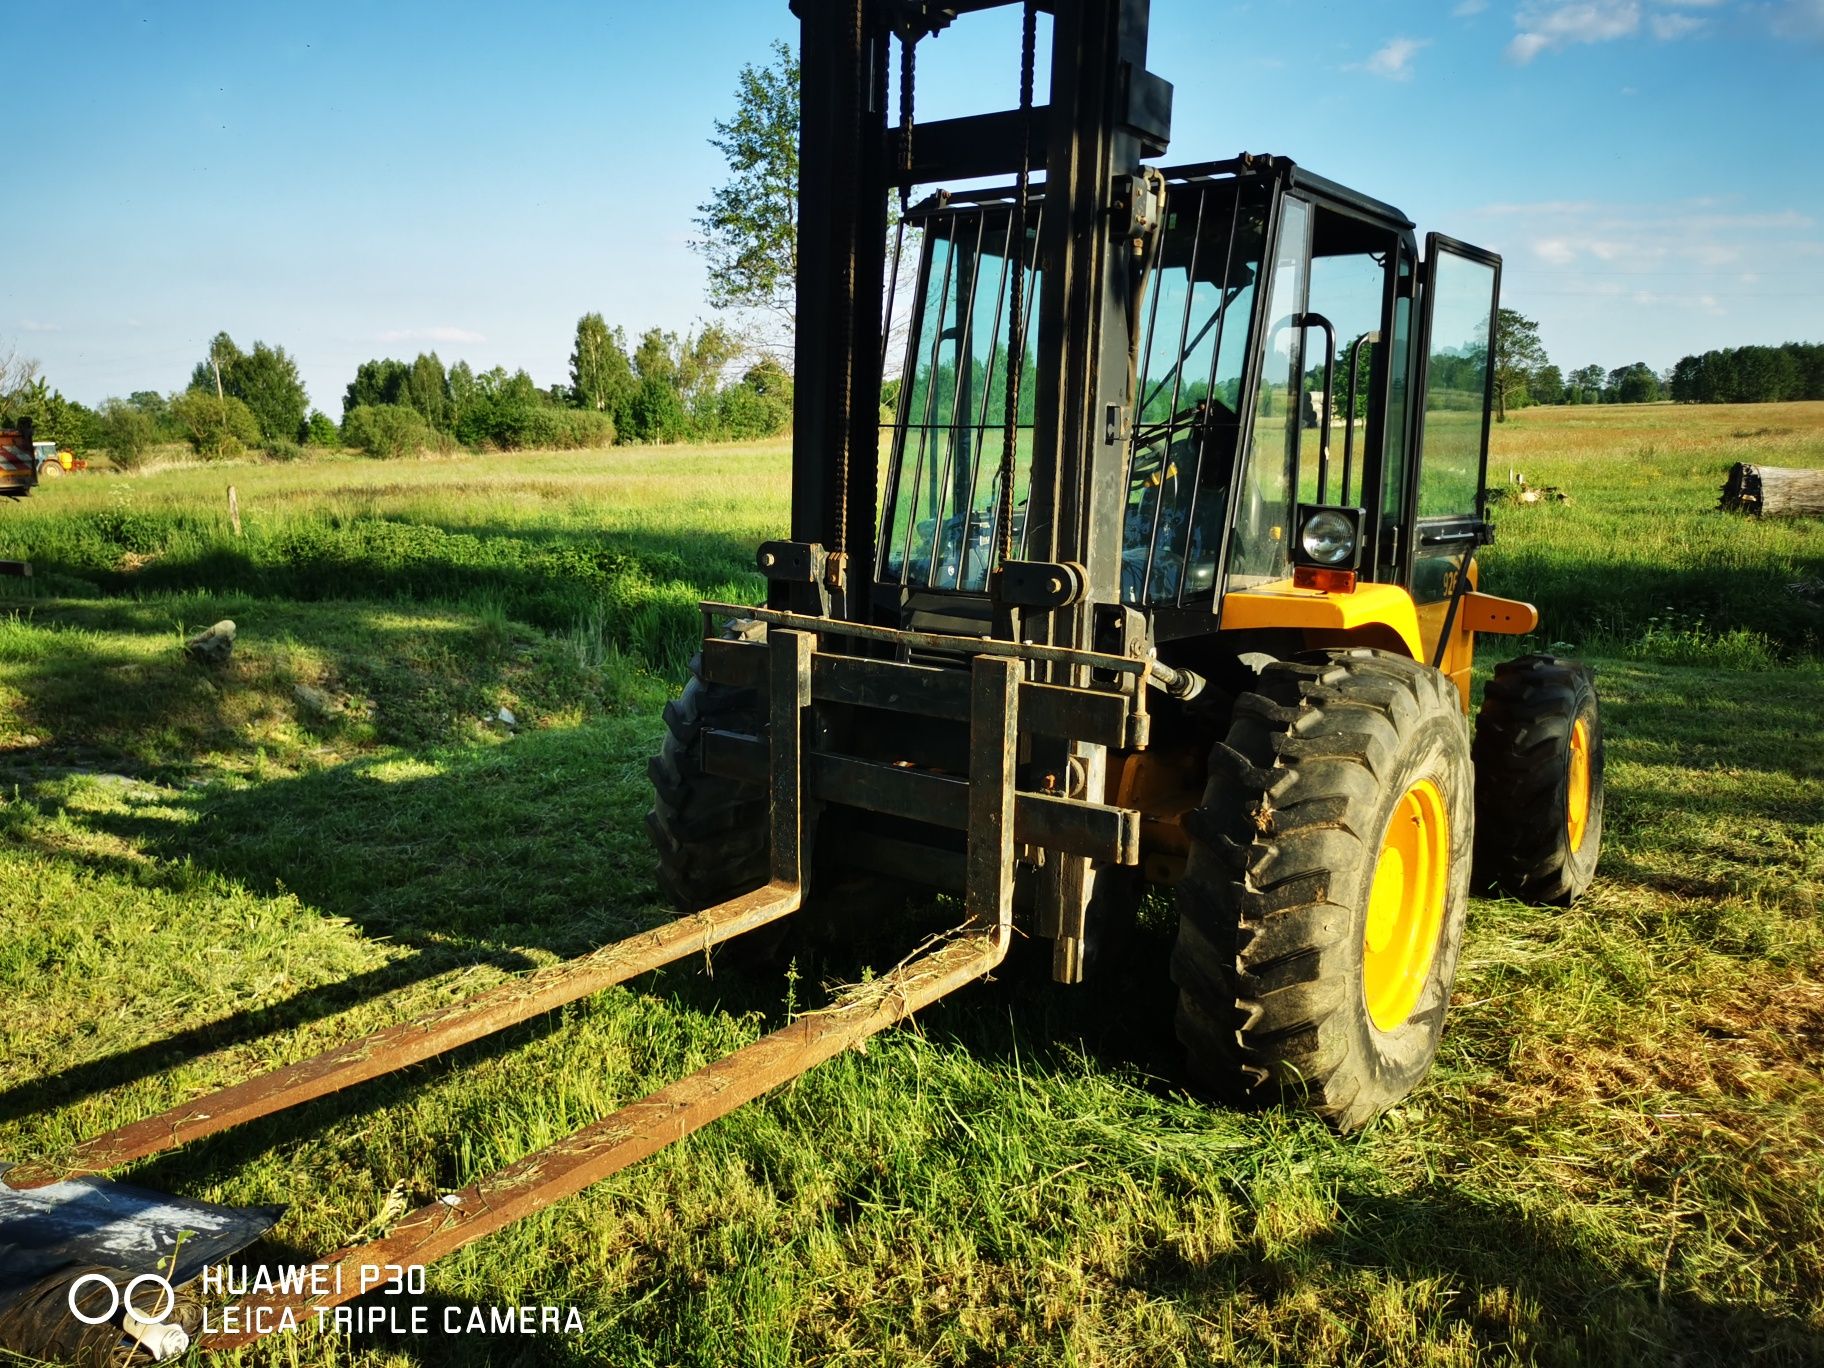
1163, 573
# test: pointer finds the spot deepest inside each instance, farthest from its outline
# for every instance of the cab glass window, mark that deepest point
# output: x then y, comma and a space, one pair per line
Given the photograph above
1456, 391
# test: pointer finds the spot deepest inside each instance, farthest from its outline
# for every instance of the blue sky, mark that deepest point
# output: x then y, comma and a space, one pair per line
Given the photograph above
352, 181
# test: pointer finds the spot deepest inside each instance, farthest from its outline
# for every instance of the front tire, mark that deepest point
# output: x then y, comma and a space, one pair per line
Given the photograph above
1321, 912
710, 833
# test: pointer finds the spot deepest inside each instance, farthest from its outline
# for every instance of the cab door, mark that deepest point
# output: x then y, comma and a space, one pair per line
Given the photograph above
1462, 293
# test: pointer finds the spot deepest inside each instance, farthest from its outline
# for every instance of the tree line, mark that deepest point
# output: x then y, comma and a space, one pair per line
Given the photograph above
665, 388
1750, 375
1524, 375
1738, 375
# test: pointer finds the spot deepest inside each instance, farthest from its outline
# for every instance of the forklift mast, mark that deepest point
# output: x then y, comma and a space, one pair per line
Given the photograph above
1105, 113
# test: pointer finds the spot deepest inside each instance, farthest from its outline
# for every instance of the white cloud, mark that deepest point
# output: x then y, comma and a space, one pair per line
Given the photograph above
1646, 251
1550, 25
1545, 27
1394, 58
430, 335
32, 325
1469, 7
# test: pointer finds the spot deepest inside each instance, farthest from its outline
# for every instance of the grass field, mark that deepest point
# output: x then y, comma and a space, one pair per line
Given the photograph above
1619, 1159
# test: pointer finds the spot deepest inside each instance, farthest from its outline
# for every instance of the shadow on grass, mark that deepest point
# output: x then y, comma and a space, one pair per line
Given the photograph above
1519, 1285
1578, 600
466, 856
111, 1071
105, 684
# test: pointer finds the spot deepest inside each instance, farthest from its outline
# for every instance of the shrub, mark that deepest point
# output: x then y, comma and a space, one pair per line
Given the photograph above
320, 430
565, 429
654, 413
743, 412
126, 433
281, 450
387, 430
215, 428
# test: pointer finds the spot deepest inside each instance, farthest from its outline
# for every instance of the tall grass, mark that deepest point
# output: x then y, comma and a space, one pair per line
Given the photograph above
1640, 560
205, 873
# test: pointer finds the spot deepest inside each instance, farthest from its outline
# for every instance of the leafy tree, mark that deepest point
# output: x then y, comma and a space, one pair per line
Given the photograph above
656, 358
502, 412
601, 376
427, 390
54, 418
655, 413
1635, 384
376, 383
1586, 385
126, 432
692, 365
459, 384
215, 428
1518, 353
702, 360
759, 406
1546, 385
1683, 386
265, 380
1765, 375
749, 225
320, 430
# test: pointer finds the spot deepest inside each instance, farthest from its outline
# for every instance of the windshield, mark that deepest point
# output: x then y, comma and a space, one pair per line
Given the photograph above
1193, 358
943, 497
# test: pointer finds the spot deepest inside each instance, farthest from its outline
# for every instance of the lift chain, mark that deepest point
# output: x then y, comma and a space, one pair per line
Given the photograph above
908, 82
1016, 335
854, 101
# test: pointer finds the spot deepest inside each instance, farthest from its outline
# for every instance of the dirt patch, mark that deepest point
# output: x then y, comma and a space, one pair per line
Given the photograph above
1763, 1039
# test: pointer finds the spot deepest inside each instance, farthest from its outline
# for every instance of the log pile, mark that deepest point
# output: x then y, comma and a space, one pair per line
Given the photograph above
1772, 492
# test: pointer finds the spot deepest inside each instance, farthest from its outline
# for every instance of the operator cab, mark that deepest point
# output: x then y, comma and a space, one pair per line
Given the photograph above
1293, 352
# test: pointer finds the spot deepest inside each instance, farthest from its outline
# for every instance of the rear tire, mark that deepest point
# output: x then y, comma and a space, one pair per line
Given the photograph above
1342, 771
50, 470
1538, 756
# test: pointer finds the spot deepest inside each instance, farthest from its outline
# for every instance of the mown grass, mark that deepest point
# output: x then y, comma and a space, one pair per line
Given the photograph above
1617, 1160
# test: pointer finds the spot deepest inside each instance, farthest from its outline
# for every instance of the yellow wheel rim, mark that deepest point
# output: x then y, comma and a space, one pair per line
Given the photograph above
1406, 906
1577, 785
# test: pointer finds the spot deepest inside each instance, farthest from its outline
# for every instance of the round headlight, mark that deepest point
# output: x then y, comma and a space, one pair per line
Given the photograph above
1328, 538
